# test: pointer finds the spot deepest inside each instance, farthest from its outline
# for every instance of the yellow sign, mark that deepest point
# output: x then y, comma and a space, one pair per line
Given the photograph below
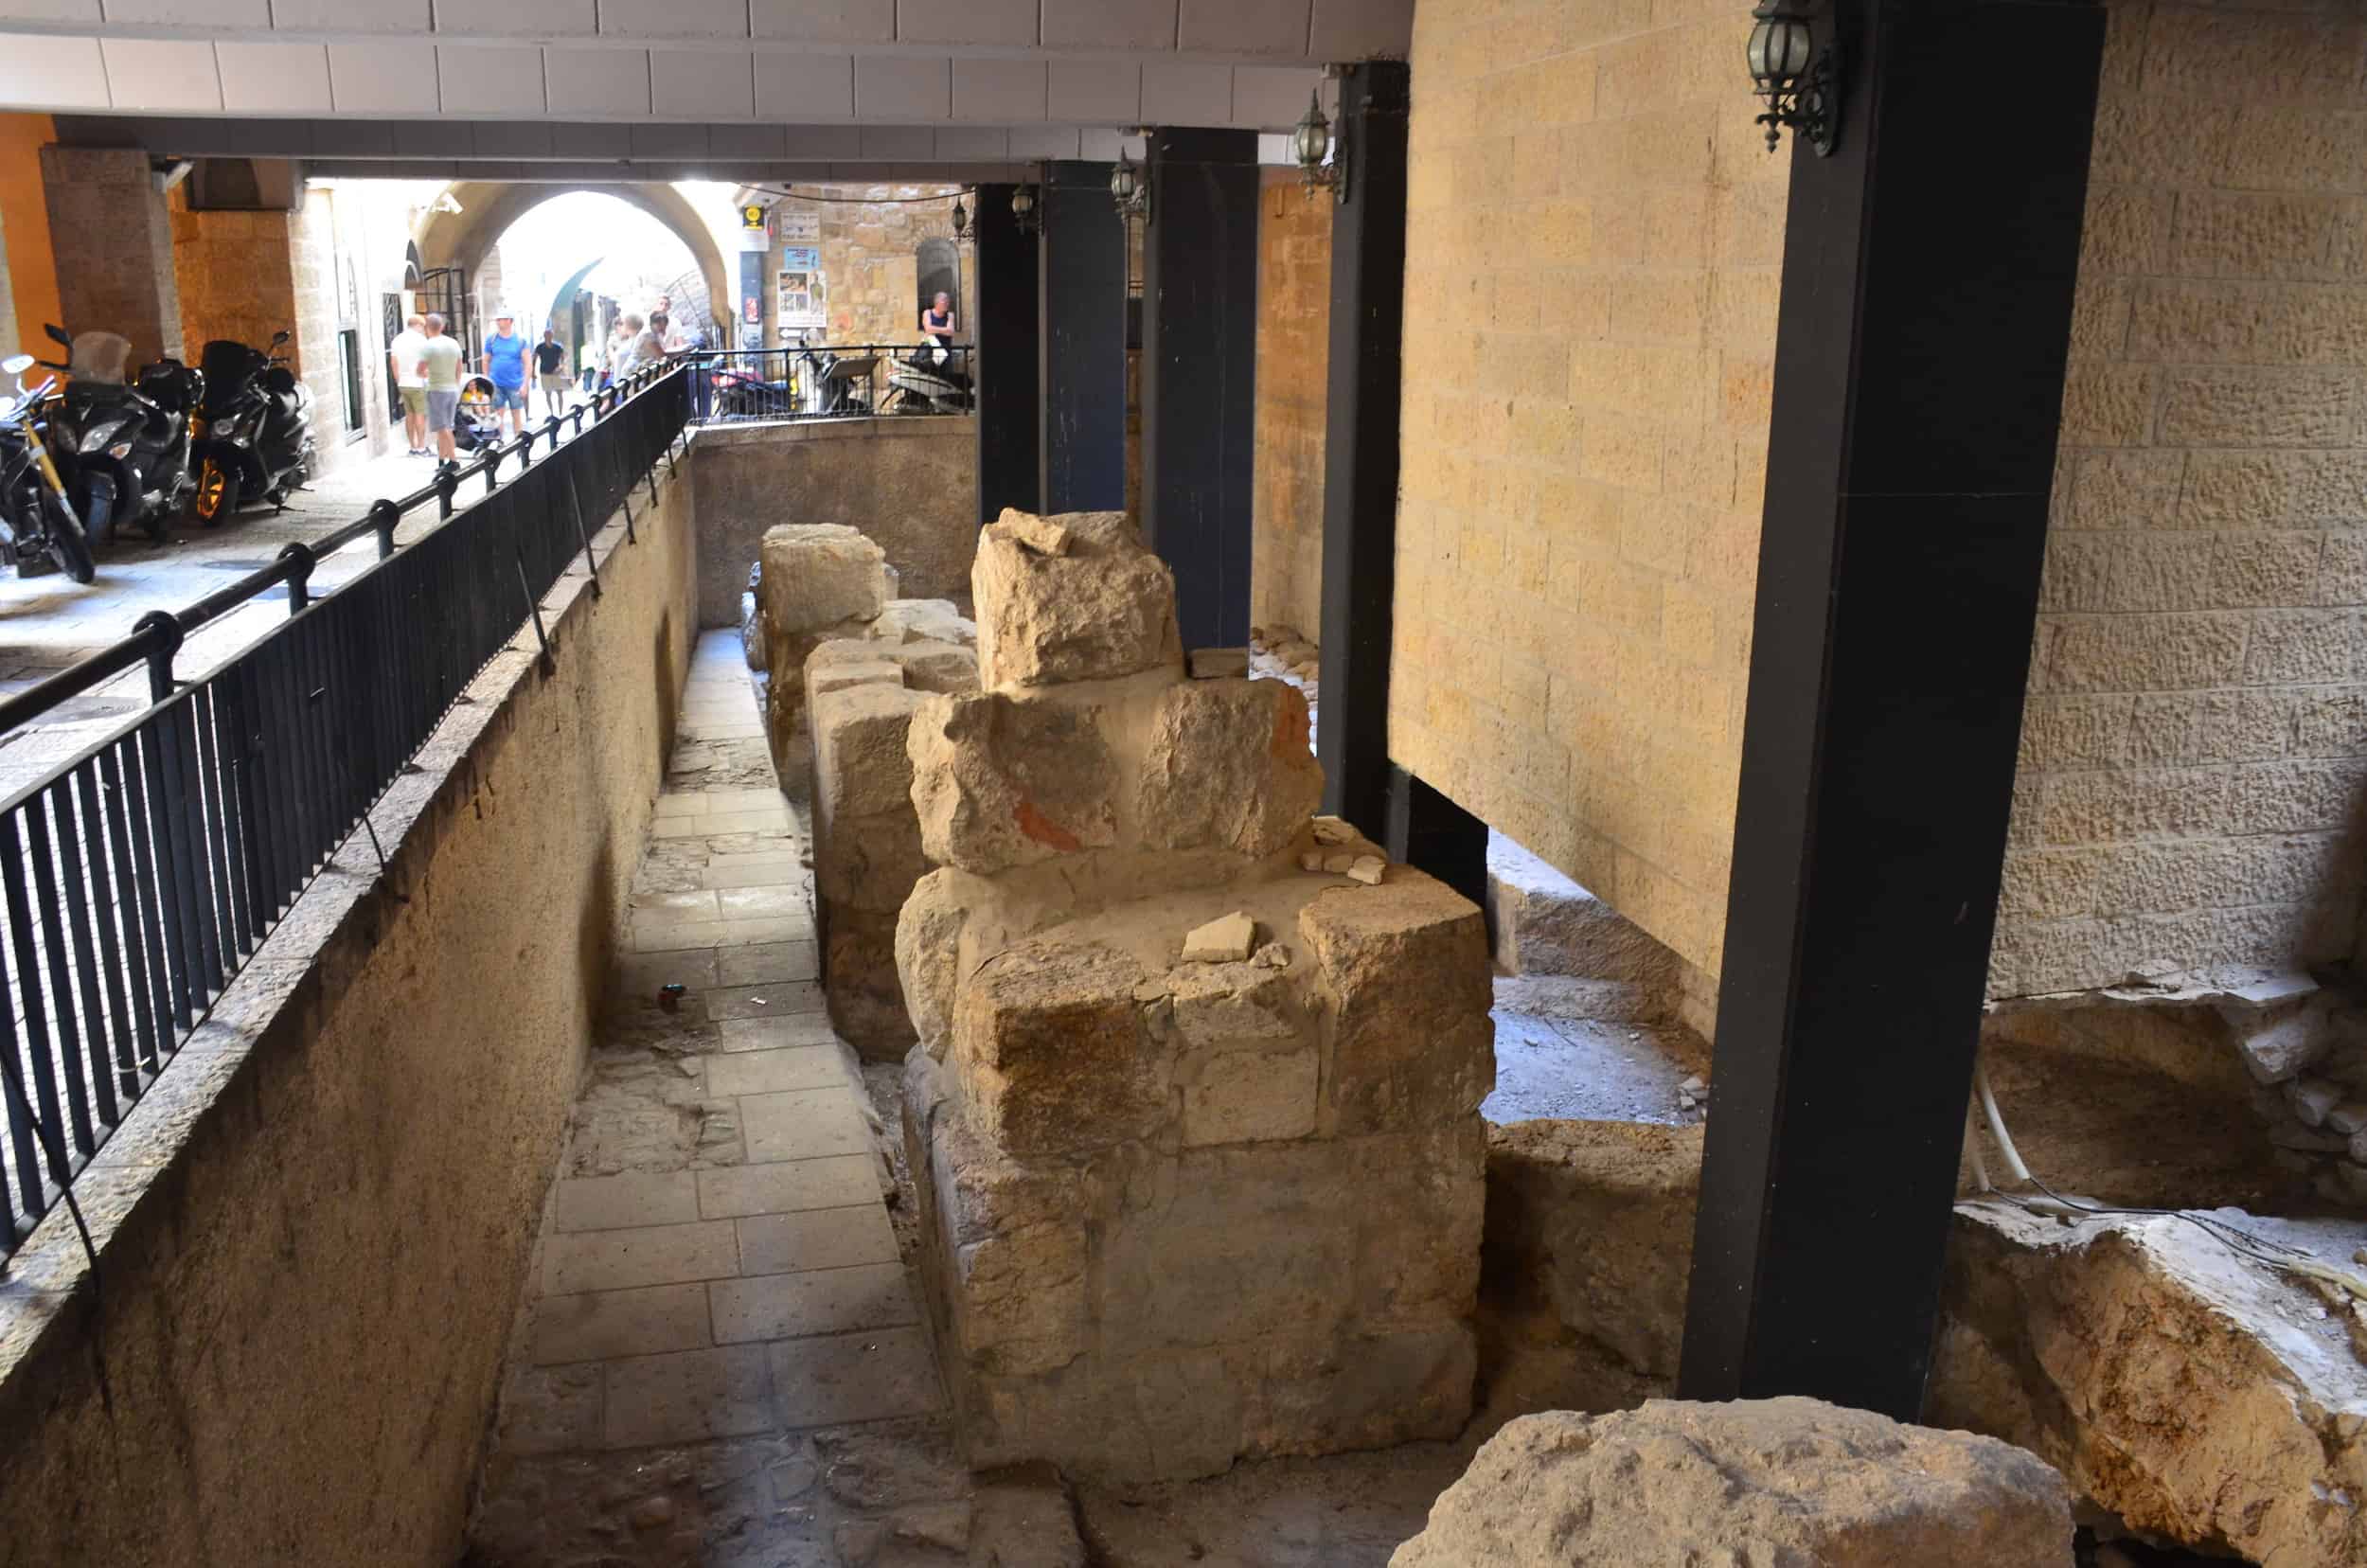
751, 216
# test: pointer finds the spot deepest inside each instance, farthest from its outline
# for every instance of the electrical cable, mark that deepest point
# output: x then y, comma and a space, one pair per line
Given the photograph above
865, 200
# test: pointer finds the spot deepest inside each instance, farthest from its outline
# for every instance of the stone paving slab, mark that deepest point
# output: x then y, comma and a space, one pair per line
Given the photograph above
816, 1238
866, 1377
813, 1301
802, 1124
770, 1072
788, 1187
604, 1325
624, 1201
647, 1255
723, 1391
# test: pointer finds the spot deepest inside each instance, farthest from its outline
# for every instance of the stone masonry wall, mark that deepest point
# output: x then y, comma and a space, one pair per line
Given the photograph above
235, 274
2195, 741
1294, 359
114, 246
1594, 253
868, 250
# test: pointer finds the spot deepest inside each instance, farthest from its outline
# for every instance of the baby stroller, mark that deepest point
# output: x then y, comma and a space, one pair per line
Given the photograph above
474, 425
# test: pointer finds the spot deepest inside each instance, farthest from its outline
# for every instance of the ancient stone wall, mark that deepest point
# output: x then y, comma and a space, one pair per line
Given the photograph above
909, 483
1193, 1115
235, 272
868, 250
1293, 360
110, 232
1594, 251
315, 1227
2195, 747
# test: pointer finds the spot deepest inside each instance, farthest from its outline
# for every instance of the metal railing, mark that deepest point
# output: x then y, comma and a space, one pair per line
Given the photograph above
844, 382
137, 879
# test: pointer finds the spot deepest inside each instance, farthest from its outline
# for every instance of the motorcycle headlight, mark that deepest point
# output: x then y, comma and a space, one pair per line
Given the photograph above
91, 441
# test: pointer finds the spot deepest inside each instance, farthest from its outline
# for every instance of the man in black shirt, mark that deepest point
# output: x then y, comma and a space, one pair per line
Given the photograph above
550, 373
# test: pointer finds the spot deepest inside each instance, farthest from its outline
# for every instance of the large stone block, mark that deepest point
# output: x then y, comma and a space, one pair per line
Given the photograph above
1102, 606
1000, 782
1228, 768
816, 574
1787, 1480
1404, 975
859, 988
1051, 1052
928, 956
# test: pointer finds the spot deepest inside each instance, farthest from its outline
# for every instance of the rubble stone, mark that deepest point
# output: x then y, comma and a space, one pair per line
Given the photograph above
1788, 1481
1000, 782
2191, 1390
911, 620
2277, 1044
1228, 768
1225, 940
1210, 663
1103, 608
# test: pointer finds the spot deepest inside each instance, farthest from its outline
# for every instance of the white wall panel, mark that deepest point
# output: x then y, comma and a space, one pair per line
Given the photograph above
274, 79
702, 83
806, 87
610, 82
490, 78
896, 87
1185, 92
1006, 91
1102, 92
155, 73
1244, 27
824, 20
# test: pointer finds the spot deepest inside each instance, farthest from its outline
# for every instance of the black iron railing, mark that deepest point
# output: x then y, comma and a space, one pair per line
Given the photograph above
845, 382
137, 879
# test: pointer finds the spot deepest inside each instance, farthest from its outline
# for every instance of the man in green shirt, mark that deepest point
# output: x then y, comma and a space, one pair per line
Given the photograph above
439, 367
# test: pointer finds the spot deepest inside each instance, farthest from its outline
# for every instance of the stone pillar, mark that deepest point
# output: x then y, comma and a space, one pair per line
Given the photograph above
1081, 295
1360, 443
1923, 328
1199, 368
1004, 329
113, 241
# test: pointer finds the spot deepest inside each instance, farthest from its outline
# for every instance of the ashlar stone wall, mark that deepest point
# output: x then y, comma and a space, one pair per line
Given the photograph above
1194, 1114
2195, 747
1594, 250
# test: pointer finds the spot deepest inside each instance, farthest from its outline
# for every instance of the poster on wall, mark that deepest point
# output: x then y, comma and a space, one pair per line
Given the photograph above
797, 223
802, 305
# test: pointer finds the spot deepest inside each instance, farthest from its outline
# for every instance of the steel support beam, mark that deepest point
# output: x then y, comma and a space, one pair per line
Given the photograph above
1919, 363
1081, 314
1004, 346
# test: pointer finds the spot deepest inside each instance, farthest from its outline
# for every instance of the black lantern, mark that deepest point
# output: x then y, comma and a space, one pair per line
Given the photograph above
961, 221
1023, 209
1800, 81
1130, 188
1322, 160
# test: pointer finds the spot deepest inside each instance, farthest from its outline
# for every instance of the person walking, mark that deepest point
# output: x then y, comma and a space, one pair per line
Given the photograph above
624, 347
402, 356
504, 364
440, 372
550, 373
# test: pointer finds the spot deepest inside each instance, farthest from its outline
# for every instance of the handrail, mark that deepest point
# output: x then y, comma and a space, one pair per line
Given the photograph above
149, 642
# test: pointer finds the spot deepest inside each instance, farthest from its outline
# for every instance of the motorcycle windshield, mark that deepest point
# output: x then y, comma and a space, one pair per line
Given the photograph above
228, 366
99, 357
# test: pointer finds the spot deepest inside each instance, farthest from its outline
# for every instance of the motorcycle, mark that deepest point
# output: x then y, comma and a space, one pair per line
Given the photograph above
125, 450
253, 437
36, 517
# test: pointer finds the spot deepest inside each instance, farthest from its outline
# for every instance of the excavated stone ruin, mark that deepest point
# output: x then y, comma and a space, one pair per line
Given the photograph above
1193, 1120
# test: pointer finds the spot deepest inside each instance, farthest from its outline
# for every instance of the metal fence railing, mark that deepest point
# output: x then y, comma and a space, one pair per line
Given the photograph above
847, 381
137, 879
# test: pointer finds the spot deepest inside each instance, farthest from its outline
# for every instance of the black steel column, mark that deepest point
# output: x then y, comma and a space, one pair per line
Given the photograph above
1425, 831
1200, 361
1361, 444
1081, 312
1925, 310
1005, 346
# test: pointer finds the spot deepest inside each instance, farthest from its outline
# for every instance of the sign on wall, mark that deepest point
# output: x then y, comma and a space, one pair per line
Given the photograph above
803, 304
797, 223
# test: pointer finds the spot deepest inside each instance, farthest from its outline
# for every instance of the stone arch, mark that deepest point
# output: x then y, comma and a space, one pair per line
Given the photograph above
488, 208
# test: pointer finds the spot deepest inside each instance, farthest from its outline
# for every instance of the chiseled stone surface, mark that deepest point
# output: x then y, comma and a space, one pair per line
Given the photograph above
1790, 1482
1229, 768
1000, 782
1102, 608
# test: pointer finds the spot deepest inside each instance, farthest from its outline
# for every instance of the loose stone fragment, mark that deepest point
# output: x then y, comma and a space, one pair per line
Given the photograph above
1312, 861
1150, 991
2312, 1098
1273, 955
1211, 663
1330, 830
1368, 870
1339, 861
1227, 939
2348, 1118
1039, 534
2275, 1045
1102, 609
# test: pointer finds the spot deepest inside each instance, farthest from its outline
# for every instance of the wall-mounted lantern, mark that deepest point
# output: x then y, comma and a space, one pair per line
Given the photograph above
1130, 188
961, 222
1800, 81
1024, 214
1323, 157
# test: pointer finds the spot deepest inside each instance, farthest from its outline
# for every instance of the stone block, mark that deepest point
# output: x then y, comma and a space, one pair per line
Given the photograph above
860, 764
1776, 1481
816, 574
930, 666
860, 986
911, 620
1226, 939
1404, 975
928, 956
1050, 1049
1229, 768
1249, 1096
1000, 782
1103, 608
1220, 1006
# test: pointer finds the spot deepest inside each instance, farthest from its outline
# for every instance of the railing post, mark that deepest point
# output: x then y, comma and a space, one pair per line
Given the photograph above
550, 428
383, 516
492, 461
447, 486
300, 561
164, 628
534, 609
583, 531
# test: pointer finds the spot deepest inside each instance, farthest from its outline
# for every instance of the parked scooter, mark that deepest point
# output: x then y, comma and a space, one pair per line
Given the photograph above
124, 450
36, 517
254, 441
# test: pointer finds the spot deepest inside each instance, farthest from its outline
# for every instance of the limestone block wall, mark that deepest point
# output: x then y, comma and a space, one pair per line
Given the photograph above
868, 246
2195, 747
909, 483
1293, 360
1594, 253
113, 241
234, 272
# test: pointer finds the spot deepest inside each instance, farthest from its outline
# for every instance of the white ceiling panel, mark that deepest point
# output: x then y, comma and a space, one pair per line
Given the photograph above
1043, 141
385, 77
1273, 95
597, 81
350, 16
1360, 29
1001, 22
824, 20
806, 87
517, 18
897, 142
973, 142
53, 10
490, 78
702, 83
1105, 146
176, 13
1106, 92
894, 87
53, 73
155, 73
276, 79
674, 18
1004, 90
1185, 92
821, 142
1109, 24
1244, 27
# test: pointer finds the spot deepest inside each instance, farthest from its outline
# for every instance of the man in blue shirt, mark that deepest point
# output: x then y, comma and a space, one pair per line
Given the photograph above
506, 354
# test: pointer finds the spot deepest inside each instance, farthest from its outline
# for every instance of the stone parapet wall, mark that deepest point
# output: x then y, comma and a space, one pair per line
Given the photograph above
315, 1227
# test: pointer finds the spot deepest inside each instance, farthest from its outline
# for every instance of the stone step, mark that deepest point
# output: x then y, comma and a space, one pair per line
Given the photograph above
1544, 923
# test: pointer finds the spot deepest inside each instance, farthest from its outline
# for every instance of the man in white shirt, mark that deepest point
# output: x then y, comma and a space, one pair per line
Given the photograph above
403, 355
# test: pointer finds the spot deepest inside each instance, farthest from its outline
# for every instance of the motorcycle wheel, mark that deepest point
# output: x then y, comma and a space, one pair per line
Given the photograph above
98, 505
68, 546
217, 493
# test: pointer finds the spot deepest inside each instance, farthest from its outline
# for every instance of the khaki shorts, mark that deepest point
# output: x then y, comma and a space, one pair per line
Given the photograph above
554, 384
414, 401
